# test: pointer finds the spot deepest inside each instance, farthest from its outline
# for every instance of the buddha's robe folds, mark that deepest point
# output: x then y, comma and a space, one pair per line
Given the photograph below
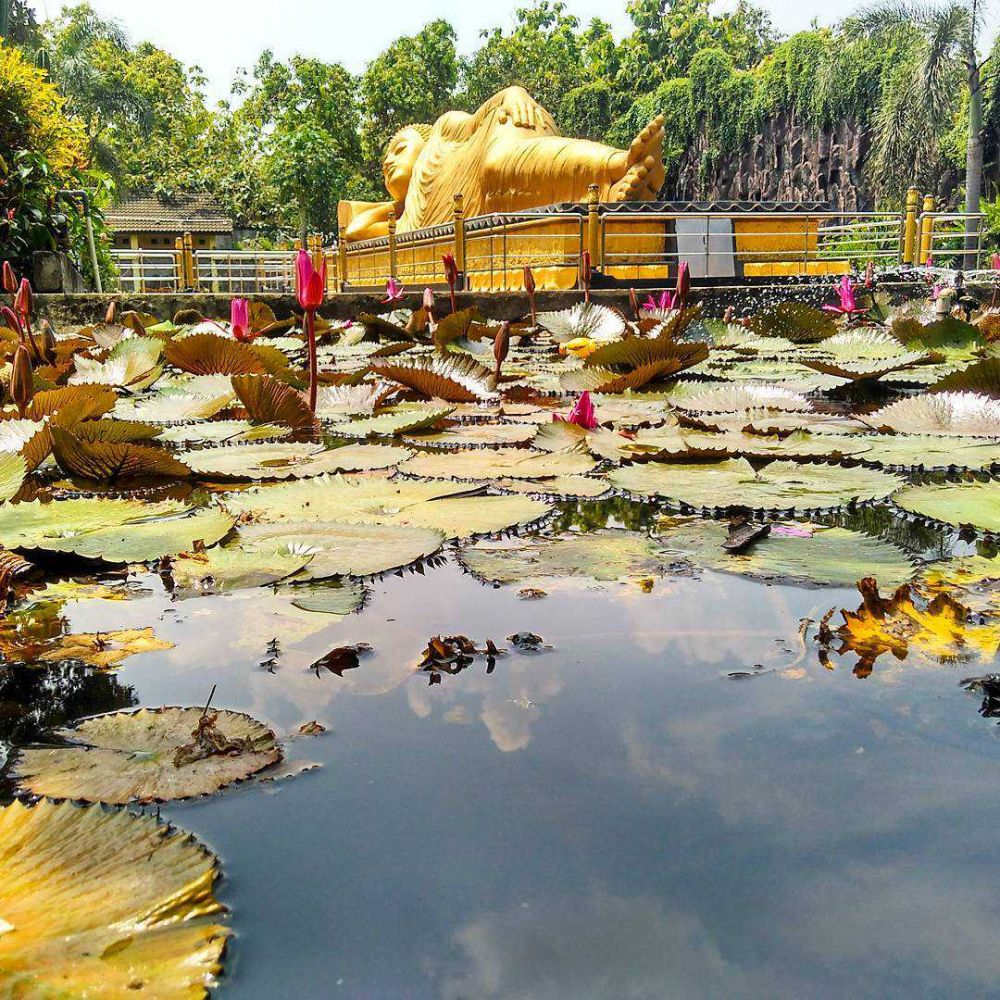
498, 166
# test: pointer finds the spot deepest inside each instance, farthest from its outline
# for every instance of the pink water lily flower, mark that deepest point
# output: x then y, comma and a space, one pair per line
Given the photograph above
995, 262
664, 303
848, 304
393, 292
583, 414
239, 319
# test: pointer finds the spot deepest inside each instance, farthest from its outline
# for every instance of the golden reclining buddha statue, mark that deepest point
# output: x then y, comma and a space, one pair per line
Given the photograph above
506, 157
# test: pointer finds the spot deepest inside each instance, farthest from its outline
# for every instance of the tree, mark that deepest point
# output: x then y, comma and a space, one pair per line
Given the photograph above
544, 54
411, 82
300, 121
945, 50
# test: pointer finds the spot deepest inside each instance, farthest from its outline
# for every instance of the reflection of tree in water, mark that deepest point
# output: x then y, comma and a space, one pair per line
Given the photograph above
590, 515
33, 701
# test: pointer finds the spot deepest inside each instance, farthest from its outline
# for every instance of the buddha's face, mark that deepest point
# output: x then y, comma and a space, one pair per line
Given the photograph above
400, 157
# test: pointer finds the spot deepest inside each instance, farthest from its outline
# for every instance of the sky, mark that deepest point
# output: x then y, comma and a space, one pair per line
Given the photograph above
223, 35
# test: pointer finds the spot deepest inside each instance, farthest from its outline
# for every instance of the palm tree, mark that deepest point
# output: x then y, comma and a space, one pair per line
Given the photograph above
943, 45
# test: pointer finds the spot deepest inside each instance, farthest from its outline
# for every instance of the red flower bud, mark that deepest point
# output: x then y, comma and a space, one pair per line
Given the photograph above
9, 278
529, 281
24, 300
22, 385
683, 281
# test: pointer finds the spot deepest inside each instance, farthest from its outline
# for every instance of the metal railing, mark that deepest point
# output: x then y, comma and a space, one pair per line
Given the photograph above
144, 271
628, 246
245, 272
952, 239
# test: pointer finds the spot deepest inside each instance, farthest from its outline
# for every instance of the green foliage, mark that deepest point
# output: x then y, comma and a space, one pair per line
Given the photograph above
413, 81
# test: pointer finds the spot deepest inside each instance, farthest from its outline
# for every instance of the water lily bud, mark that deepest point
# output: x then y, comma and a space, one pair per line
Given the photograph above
529, 281
633, 301
450, 268
501, 345
683, 281
48, 342
109, 316
22, 386
429, 300
9, 278
23, 299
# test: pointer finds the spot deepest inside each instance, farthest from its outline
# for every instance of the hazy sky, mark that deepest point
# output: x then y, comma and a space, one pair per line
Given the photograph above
221, 35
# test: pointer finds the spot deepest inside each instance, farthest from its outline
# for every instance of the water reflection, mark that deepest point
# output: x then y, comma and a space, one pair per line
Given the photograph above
612, 818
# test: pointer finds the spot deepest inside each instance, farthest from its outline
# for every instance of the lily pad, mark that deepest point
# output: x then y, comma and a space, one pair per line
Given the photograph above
234, 568
342, 549
810, 554
327, 599
402, 421
289, 460
12, 472
976, 505
480, 435
512, 463
100, 902
965, 414
604, 555
150, 755
735, 398
734, 483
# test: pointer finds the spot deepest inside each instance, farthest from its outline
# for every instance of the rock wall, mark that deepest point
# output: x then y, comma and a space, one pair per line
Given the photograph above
785, 162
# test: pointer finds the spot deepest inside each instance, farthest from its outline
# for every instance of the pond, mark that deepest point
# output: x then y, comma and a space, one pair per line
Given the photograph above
679, 769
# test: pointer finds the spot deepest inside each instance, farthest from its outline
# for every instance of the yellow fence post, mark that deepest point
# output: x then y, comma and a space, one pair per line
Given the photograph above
926, 229
459, 249
188, 269
910, 214
342, 263
393, 261
315, 245
594, 225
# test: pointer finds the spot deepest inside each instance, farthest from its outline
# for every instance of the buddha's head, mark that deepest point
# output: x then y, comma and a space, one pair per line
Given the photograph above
400, 158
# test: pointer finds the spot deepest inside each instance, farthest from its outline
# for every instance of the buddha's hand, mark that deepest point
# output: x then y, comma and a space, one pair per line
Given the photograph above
519, 108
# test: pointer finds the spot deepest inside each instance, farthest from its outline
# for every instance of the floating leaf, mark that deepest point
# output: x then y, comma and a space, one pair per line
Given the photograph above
794, 321
975, 504
603, 380
604, 555
513, 463
982, 377
957, 413
815, 554
927, 451
122, 531
13, 469
234, 568
214, 354
563, 487
103, 650
974, 580
174, 407
342, 549
401, 421
342, 599
864, 370
637, 352
150, 755
112, 460
100, 902
896, 625
280, 460
474, 436
734, 483
132, 362
222, 432
454, 379
735, 398
73, 403
267, 400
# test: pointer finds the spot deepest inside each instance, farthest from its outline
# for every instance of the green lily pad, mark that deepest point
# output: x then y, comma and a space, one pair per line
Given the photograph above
512, 463
828, 557
341, 549
404, 421
328, 599
974, 504
13, 469
234, 568
604, 555
734, 483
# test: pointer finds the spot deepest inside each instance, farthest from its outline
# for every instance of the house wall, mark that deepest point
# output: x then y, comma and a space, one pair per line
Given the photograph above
167, 241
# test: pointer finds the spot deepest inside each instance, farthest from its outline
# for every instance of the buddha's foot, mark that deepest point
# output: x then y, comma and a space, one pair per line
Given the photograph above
644, 172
